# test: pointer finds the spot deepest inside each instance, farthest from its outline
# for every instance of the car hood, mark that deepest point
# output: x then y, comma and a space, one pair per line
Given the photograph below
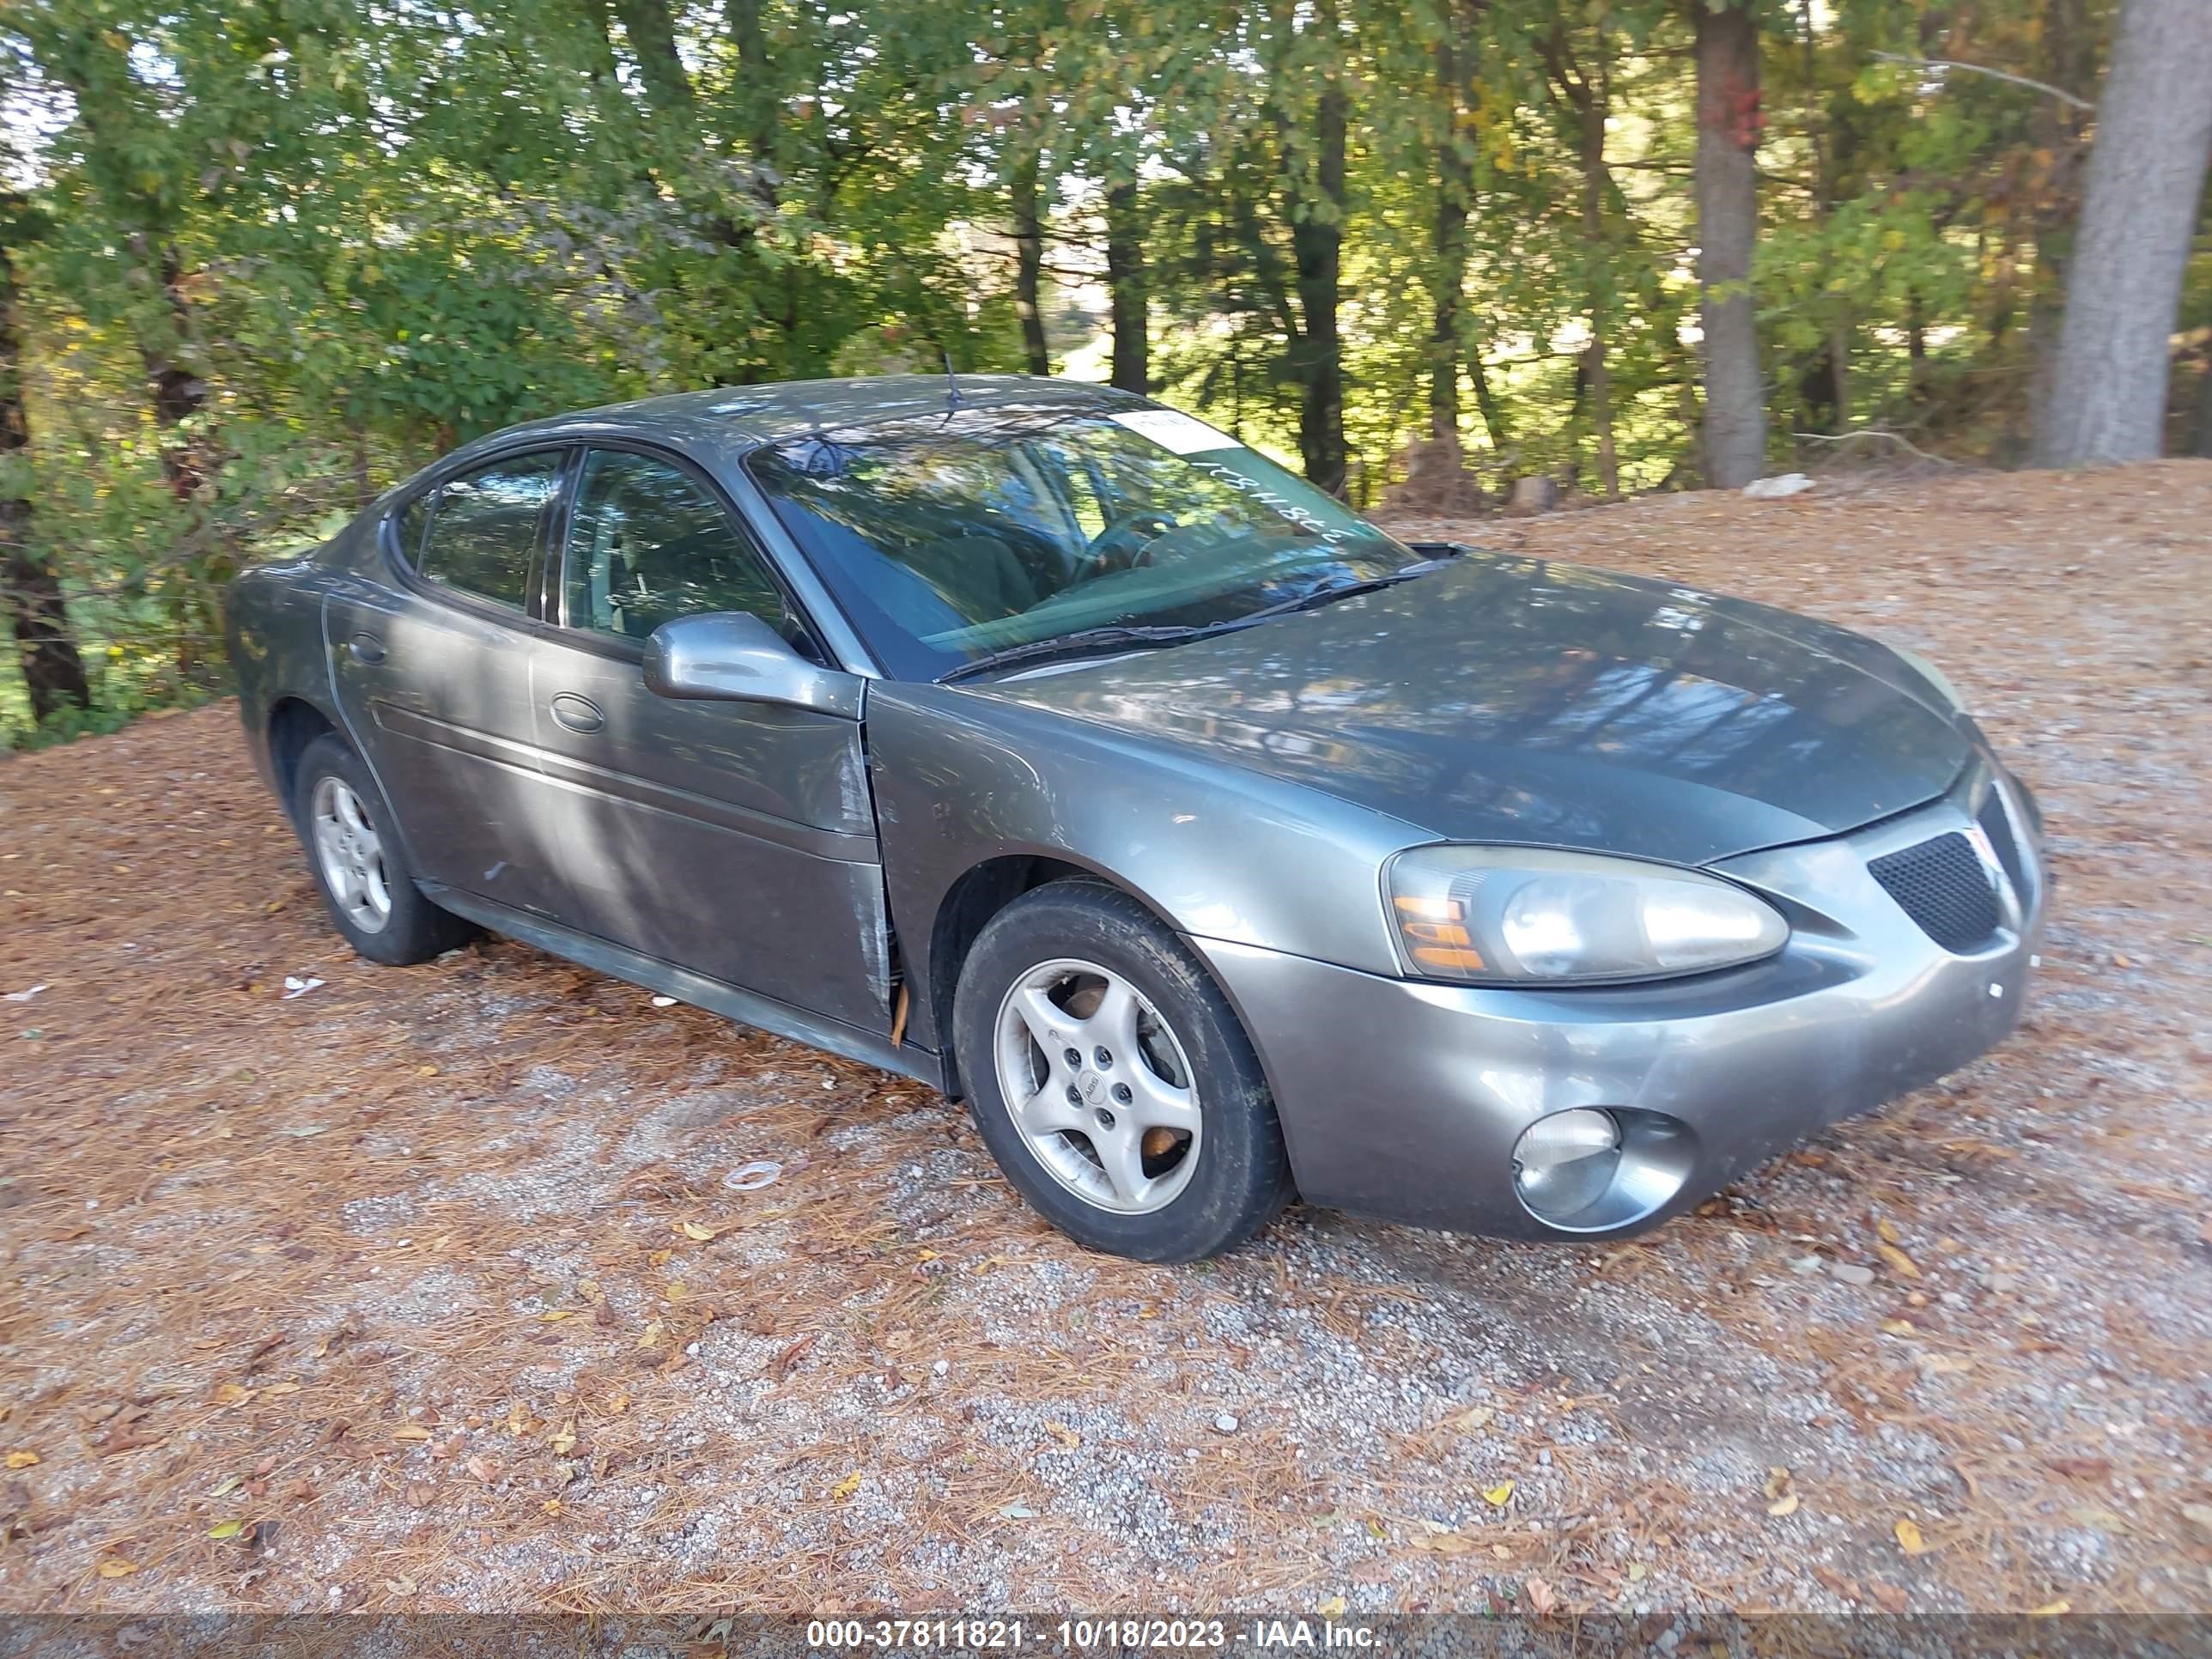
1514, 699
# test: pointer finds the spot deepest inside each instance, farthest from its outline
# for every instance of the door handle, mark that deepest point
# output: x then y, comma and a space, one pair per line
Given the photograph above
366, 647
578, 713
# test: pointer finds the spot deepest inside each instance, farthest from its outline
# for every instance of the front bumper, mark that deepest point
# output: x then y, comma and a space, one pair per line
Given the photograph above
1404, 1100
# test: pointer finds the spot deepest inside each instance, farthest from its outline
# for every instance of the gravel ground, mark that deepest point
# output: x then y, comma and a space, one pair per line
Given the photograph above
392, 1293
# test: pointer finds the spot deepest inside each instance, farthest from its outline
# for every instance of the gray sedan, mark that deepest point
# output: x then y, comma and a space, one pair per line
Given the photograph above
1054, 748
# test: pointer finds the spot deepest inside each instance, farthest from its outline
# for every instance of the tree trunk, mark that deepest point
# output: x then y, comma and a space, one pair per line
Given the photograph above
1729, 121
651, 32
1455, 189
2056, 129
188, 460
1486, 403
1126, 285
756, 88
30, 590
1317, 350
2146, 174
1029, 257
1597, 249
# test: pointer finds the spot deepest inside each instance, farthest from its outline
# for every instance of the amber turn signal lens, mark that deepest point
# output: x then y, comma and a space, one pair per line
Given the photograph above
1439, 956
1419, 907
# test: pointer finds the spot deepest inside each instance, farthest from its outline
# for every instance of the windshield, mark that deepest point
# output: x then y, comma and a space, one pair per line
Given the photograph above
947, 537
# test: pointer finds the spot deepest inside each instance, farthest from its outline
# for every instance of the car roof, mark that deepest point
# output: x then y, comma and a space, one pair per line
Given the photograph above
742, 416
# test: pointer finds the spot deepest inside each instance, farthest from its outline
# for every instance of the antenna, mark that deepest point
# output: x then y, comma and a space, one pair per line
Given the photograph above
951, 383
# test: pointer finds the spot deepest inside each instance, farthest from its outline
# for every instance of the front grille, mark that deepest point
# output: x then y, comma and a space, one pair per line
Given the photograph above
1942, 884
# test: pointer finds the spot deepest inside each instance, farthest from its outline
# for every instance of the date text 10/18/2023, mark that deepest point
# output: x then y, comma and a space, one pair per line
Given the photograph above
1081, 1635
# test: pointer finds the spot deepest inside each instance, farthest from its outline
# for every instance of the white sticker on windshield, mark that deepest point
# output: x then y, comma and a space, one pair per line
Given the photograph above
1172, 430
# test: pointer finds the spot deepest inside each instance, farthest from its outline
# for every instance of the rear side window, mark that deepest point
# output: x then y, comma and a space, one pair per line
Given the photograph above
484, 528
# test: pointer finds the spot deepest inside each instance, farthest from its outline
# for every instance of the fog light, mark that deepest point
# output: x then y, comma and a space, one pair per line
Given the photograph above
1563, 1164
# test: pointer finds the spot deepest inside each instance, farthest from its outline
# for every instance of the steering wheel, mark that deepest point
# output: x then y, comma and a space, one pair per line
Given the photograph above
1129, 538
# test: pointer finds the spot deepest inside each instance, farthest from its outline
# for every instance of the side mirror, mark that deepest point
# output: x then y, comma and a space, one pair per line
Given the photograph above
733, 656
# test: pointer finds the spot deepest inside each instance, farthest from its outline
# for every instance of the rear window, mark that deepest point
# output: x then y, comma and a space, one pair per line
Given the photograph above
484, 528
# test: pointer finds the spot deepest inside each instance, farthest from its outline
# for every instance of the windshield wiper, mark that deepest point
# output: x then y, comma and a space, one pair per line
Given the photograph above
1329, 593
1083, 640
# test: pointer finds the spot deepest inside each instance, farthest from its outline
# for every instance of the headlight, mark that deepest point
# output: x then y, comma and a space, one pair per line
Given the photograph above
1513, 915
1935, 677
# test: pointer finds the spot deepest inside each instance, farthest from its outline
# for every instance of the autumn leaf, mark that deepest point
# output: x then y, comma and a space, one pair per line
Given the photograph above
1887, 1230
1061, 1432
116, 1567
224, 1487
1897, 1259
411, 1432
232, 1394
2051, 1609
21, 1460
225, 1530
1909, 1538
1785, 1504
847, 1486
1542, 1600
692, 1229
1497, 1495
1777, 1480
564, 1442
1333, 1607
1444, 1543
555, 1316
1467, 1418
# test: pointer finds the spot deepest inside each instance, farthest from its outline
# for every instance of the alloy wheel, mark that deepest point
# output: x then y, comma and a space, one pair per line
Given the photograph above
350, 856
1098, 1085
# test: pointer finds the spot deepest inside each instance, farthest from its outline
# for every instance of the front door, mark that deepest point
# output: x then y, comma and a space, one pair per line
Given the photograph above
432, 672
737, 839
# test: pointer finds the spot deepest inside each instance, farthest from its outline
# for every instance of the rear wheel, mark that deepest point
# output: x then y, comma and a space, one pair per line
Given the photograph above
1112, 1081
366, 884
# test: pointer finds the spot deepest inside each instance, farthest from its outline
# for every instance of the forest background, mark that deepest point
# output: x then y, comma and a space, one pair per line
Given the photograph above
261, 259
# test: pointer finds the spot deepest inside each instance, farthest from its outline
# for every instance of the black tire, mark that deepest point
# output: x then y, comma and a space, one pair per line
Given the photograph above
1241, 1177
415, 930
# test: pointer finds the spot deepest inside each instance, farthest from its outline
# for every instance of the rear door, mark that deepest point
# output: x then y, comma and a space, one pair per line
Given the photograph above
737, 839
432, 671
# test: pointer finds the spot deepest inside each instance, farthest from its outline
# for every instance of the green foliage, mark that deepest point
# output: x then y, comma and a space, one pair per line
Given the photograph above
346, 237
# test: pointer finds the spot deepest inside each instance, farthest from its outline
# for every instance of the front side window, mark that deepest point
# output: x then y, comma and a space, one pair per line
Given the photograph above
484, 527
647, 543
948, 537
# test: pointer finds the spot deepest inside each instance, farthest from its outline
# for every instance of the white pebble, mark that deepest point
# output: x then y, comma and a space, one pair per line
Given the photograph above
1227, 1422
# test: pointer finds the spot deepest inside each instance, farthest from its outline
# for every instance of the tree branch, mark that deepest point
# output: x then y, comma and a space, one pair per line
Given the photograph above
1994, 73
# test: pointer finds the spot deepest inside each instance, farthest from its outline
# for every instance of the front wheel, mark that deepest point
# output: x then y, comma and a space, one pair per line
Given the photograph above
1112, 1081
